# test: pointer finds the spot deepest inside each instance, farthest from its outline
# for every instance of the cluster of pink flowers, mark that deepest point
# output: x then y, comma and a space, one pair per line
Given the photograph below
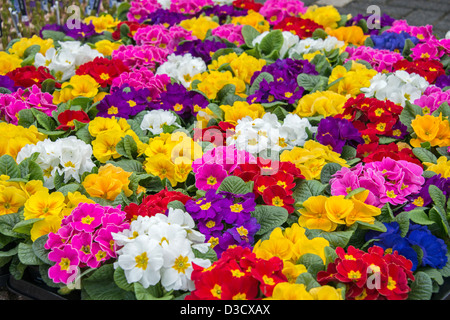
388, 181
423, 33
218, 163
189, 6
432, 98
380, 59
162, 37
143, 79
147, 56
275, 10
231, 32
84, 240
33, 97
140, 9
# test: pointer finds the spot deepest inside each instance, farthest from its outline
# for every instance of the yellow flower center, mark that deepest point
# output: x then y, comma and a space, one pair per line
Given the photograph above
236, 207
354, 275
181, 264
113, 110
87, 220
217, 291
205, 206
211, 180
64, 264
418, 202
277, 201
210, 224
141, 261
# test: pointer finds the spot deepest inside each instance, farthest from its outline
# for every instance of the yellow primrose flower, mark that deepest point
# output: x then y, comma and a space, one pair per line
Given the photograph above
106, 47
350, 35
326, 16
326, 293
254, 19
11, 200
199, 26
292, 271
243, 66
103, 23
183, 166
311, 55
82, 86
241, 109
338, 208
314, 216
302, 245
352, 81
108, 183
73, 199
361, 211
19, 47
62, 95
104, 145
290, 291
15, 137
311, 158
428, 128
161, 167
276, 246
100, 124
326, 103
44, 204
441, 167
211, 83
8, 62
45, 226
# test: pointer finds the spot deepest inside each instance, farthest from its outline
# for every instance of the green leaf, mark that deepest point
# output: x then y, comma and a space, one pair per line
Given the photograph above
308, 280
7, 224
101, 286
249, 33
437, 196
335, 238
312, 83
319, 33
40, 251
269, 217
210, 255
424, 155
25, 226
234, 185
328, 171
312, 262
376, 225
272, 42
421, 288
27, 256
419, 216
409, 113
176, 205
438, 215
26, 118
386, 214
307, 189
30, 170
403, 221
70, 187
150, 293
121, 280
48, 85
9, 167
127, 147
129, 165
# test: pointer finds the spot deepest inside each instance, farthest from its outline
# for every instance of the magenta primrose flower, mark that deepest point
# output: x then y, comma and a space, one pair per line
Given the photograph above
66, 263
210, 176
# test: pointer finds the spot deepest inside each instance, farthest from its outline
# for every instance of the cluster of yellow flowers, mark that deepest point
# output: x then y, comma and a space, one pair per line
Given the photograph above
170, 156
351, 81
108, 183
429, 128
107, 133
15, 137
78, 86
311, 158
327, 213
326, 103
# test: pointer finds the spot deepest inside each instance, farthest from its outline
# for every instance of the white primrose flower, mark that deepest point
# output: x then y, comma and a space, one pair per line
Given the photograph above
310, 45
182, 68
177, 268
397, 87
165, 4
141, 261
268, 134
70, 157
154, 121
172, 237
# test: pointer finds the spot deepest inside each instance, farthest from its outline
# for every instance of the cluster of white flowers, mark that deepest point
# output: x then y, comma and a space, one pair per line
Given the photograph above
397, 87
289, 40
154, 121
160, 248
311, 45
182, 68
70, 157
267, 133
64, 61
